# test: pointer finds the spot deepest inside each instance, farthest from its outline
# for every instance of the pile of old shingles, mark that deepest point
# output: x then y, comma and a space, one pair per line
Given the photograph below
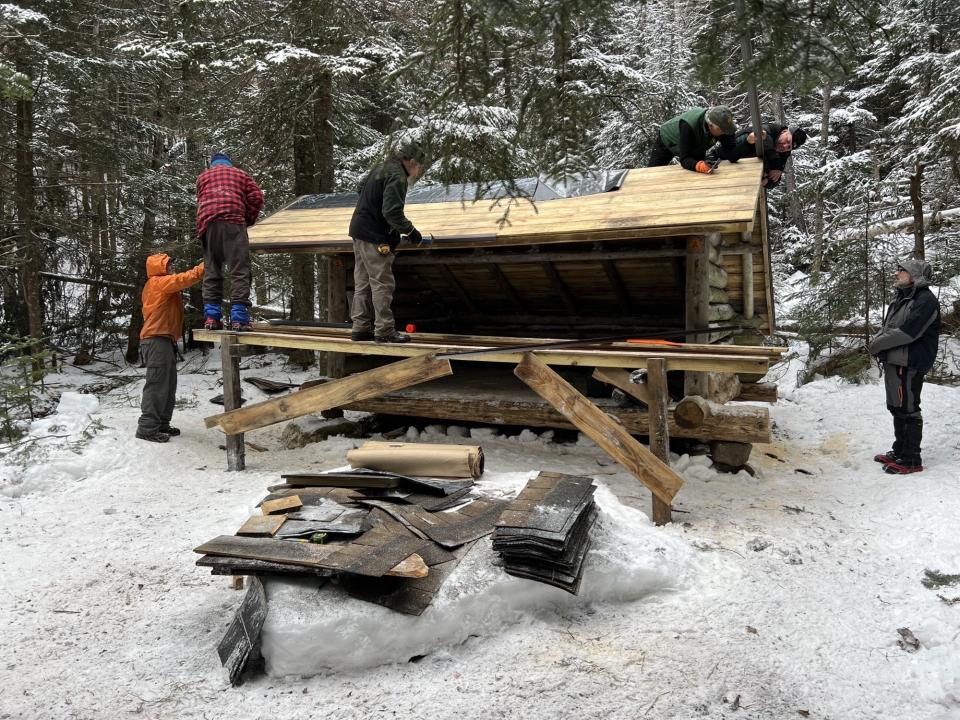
382, 535
544, 534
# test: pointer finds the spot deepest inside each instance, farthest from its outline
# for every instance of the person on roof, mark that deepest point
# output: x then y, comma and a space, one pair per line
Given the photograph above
779, 141
689, 135
162, 325
378, 225
906, 345
228, 202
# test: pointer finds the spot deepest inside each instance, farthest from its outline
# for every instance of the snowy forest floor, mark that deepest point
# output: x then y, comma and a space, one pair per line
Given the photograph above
781, 595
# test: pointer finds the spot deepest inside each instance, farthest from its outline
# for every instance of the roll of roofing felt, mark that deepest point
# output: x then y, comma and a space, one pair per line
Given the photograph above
423, 459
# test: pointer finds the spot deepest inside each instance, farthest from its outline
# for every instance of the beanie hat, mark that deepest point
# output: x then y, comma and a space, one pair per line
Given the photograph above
721, 116
799, 136
918, 269
220, 158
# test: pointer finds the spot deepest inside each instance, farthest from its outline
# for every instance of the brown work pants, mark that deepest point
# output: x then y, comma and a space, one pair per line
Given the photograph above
226, 245
373, 289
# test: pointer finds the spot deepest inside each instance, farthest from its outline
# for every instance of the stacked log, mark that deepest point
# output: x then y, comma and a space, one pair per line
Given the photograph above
720, 309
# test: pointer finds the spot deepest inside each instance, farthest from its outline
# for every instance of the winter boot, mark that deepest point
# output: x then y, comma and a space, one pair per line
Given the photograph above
155, 436
396, 337
170, 430
212, 316
361, 335
240, 318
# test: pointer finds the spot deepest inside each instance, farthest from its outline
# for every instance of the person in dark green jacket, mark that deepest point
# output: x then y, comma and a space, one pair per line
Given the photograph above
689, 135
377, 227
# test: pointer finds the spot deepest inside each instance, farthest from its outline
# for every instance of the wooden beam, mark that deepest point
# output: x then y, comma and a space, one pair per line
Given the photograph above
561, 287
516, 258
337, 309
659, 434
747, 264
694, 412
369, 384
620, 378
618, 356
505, 286
616, 282
757, 392
458, 288
230, 364
599, 427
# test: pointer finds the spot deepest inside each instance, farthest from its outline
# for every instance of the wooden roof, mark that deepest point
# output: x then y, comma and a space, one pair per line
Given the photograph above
653, 202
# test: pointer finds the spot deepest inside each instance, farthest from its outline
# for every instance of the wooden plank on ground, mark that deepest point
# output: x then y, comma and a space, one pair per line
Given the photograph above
262, 525
599, 427
369, 384
242, 639
291, 502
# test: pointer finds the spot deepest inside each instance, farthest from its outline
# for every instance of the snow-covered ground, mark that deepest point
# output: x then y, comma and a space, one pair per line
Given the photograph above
774, 596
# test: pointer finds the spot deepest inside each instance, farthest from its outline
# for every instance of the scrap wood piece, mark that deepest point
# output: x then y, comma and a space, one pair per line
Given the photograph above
620, 379
421, 459
245, 566
362, 478
599, 427
450, 529
408, 596
262, 525
360, 386
281, 505
374, 553
269, 386
242, 640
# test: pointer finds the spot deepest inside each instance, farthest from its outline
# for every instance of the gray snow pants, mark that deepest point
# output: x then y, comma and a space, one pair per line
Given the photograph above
226, 245
160, 390
903, 386
374, 284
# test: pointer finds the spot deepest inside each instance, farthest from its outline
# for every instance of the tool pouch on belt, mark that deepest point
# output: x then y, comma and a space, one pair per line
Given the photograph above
383, 249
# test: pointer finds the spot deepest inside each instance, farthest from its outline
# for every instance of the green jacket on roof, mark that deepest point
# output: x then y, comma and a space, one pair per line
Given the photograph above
695, 118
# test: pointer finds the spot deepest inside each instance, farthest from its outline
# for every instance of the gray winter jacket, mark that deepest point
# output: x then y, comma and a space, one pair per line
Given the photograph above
911, 328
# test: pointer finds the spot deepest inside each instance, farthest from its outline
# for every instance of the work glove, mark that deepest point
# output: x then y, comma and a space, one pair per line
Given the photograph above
702, 167
414, 237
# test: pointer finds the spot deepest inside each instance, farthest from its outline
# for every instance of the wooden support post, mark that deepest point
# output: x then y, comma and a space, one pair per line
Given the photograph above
599, 427
337, 309
353, 388
659, 434
697, 303
230, 361
747, 260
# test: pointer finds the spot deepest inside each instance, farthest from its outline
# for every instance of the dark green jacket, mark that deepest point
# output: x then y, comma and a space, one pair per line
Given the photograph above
379, 216
687, 137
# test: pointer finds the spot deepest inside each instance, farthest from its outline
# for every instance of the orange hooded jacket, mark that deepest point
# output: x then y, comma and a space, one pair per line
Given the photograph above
162, 305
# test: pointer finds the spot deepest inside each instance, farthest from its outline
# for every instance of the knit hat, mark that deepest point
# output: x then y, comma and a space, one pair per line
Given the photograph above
918, 269
799, 136
220, 158
721, 116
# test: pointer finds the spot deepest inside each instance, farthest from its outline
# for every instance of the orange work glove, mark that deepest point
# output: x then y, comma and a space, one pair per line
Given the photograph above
702, 167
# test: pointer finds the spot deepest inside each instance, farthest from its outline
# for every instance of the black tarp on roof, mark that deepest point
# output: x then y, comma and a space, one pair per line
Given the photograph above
539, 189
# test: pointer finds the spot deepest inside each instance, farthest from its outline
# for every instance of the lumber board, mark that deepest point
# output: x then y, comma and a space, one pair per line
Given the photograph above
262, 525
616, 357
241, 641
271, 507
595, 424
417, 369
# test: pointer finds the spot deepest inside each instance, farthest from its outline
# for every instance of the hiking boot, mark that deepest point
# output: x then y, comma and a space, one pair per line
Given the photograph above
888, 457
240, 326
155, 436
397, 337
169, 430
211, 323
361, 335
902, 468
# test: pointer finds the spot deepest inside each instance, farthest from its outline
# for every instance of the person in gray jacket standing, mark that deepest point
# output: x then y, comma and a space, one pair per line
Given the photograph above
907, 346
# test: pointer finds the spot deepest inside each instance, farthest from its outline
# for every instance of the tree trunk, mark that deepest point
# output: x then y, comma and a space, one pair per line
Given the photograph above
818, 219
28, 240
916, 179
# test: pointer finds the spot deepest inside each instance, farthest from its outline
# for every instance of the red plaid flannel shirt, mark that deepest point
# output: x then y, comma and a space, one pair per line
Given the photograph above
226, 194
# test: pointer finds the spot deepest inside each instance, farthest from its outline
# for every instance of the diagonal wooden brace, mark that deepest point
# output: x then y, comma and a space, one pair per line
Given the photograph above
361, 386
599, 427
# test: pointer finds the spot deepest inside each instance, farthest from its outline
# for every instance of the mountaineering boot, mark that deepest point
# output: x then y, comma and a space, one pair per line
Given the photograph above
902, 468
240, 318
888, 457
169, 430
155, 436
396, 337
361, 335
212, 315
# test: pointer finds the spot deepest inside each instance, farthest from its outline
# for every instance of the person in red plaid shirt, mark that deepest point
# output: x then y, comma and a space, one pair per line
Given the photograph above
228, 201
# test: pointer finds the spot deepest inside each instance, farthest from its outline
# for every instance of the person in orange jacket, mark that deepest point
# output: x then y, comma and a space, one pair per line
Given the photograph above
162, 325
